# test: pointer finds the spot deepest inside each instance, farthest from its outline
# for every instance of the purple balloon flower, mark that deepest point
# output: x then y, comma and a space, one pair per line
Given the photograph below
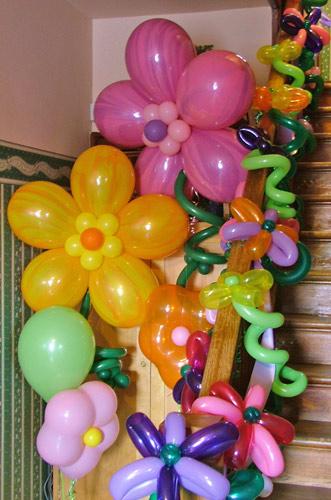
172, 460
305, 30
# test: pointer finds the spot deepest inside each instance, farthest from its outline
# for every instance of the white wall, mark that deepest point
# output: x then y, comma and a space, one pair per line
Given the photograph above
45, 83
240, 30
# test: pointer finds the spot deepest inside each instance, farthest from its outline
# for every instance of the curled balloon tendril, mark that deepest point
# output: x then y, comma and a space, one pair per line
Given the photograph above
278, 55
259, 322
304, 140
196, 257
107, 366
308, 5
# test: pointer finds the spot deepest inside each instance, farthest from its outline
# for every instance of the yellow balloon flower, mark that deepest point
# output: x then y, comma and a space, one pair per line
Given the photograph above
95, 238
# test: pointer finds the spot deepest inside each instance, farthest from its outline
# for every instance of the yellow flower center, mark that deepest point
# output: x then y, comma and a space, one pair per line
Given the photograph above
93, 437
95, 240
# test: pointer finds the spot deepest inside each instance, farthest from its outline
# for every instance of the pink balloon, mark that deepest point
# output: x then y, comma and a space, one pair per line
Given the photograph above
70, 411
100, 392
215, 406
118, 114
168, 112
85, 463
212, 162
156, 54
169, 146
266, 453
151, 112
179, 335
58, 449
215, 90
179, 130
157, 173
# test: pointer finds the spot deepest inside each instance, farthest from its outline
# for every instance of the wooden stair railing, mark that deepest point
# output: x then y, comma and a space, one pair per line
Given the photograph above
223, 347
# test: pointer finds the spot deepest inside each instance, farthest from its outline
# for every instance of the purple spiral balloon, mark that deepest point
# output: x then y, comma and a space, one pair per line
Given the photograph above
156, 54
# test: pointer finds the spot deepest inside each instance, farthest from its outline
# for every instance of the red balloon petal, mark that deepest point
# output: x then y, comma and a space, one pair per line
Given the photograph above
238, 456
225, 391
281, 429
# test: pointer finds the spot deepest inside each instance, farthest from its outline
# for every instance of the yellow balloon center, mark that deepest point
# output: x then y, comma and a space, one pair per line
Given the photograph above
92, 238
93, 437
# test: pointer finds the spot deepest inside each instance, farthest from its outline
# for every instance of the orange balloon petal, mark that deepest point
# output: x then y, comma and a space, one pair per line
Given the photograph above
170, 306
245, 210
262, 99
258, 245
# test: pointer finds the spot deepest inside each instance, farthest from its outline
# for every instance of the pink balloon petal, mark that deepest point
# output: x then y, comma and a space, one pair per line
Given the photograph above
110, 433
215, 90
70, 412
265, 452
58, 449
157, 52
103, 398
118, 114
256, 397
212, 162
157, 173
216, 406
86, 462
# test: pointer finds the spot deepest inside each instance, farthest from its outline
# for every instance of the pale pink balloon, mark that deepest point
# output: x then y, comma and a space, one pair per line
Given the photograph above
179, 335
212, 162
168, 112
169, 146
156, 172
215, 90
87, 461
212, 405
179, 130
156, 54
99, 391
58, 449
150, 144
151, 112
118, 114
70, 411
266, 453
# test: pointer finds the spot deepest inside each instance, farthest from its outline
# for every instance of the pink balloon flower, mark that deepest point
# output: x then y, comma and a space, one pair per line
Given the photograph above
179, 106
260, 433
79, 426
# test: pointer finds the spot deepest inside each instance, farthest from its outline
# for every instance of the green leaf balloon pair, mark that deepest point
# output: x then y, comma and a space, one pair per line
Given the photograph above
56, 350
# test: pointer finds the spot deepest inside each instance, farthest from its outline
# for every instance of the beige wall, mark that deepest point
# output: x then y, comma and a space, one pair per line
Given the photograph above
240, 30
45, 83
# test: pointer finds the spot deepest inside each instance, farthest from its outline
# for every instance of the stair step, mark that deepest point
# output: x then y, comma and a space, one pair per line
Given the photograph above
318, 374
311, 296
313, 181
308, 457
314, 404
306, 337
322, 151
321, 121
317, 219
297, 492
320, 250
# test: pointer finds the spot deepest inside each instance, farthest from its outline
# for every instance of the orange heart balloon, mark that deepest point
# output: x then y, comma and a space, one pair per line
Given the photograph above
168, 307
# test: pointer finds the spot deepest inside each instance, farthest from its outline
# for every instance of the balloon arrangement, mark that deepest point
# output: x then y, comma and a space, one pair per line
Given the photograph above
178, 105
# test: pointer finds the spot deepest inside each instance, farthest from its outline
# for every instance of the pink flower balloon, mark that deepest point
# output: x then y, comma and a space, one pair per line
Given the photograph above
172, 98
80, 424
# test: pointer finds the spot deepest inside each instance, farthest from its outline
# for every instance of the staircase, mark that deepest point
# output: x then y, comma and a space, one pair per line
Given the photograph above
307, 331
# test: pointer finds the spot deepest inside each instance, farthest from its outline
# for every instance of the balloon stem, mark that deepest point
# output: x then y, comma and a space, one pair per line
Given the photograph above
86, 305
63, 492
71, 492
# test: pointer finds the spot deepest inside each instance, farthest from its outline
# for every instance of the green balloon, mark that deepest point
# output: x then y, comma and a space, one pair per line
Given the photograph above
56, 350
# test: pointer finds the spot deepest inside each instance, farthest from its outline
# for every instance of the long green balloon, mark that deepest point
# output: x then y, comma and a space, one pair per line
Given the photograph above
260, 321
289, 70
56, 350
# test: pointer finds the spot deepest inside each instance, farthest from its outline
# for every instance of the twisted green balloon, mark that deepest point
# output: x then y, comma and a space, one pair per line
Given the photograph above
316, 91
289, 70
295, 273
259, 322
308, 5
245, 484
303, 137
108, 367
278, 199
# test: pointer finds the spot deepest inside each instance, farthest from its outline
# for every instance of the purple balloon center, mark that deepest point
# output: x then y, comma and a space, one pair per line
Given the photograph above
155, 130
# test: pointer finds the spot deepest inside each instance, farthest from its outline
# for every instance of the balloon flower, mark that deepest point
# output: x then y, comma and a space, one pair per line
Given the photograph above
170, 307
248, 289
178, 105
305, 30
188, 386
284, 98
263, 234
172, 460
95, 238
79, 426
260, 433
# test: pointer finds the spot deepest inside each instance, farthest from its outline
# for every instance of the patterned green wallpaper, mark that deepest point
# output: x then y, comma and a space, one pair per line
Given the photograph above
22, 472
324, 58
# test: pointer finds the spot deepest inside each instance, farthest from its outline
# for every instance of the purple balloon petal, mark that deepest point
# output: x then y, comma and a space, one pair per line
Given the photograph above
325, 20
168, 487
156, 54
157, 173
212, 162
175, 430
240, 231
315, 15
178, 389
210, 441
194, 380
144, 435
313, 42
118, 114
283, 250
202, 480
136, 480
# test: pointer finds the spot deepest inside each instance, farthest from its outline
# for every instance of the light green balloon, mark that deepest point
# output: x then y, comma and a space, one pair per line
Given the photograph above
56, 350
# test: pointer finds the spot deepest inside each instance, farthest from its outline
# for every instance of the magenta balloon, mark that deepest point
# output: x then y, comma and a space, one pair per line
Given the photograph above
157, 173
215, 90
156, 54
212, 162
118, 114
